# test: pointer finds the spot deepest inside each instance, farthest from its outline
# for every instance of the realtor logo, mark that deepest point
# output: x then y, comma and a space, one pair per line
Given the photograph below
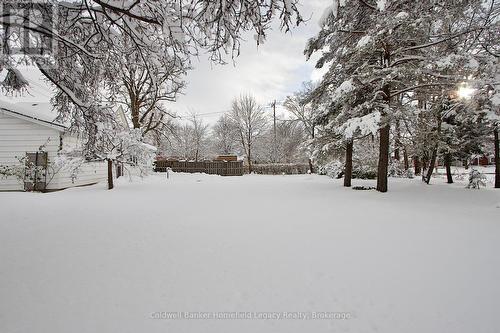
27, 29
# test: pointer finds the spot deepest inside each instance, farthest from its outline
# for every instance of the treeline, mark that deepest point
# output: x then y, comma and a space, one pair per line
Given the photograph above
247, 129
416, 80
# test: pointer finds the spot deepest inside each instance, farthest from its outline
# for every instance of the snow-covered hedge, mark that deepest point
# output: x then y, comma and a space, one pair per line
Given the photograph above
280, 168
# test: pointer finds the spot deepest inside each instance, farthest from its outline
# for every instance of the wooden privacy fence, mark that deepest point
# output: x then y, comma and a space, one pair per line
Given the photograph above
222, 168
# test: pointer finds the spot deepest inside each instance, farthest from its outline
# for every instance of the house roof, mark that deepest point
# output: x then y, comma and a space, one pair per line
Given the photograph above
39, 113
34, 105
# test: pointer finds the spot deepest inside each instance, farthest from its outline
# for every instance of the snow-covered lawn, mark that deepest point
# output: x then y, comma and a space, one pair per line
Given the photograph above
417, 259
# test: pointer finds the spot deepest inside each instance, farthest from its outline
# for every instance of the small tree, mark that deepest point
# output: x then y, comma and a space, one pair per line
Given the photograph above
224, 135
200, 133
303, 108
250, 122
191, 139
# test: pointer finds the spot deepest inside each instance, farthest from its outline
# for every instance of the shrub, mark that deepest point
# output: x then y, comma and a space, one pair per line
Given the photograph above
334, 169
476, 180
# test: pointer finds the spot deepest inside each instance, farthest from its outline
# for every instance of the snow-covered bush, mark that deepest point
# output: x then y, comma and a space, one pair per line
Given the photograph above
14, 170
476, 180
365, 159
361, 171
23, 170
363, 188
280, 168
397, 170
333, 169
130, 149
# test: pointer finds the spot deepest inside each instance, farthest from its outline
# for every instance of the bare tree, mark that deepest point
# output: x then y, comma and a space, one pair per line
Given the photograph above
191, 139
250, 123
181, 145
301, 106
143, 86
224, 135
144, 91
302, 109
200, 133
289, 137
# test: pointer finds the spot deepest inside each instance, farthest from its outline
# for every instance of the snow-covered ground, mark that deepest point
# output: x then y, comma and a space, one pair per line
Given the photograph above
417, 259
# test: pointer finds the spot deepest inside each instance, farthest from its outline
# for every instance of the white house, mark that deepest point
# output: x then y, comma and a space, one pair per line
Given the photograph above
24, 128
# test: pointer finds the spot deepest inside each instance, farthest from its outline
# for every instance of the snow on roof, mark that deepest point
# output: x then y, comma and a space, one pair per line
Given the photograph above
35, 103
41, 113
39, 89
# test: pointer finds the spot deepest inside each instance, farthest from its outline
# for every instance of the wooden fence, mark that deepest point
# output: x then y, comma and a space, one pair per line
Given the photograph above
233, 168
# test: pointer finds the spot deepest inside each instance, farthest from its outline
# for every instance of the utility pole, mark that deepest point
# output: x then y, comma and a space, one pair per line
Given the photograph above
275, 141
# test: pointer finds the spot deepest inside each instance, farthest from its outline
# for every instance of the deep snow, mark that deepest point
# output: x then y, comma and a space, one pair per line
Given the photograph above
417, 259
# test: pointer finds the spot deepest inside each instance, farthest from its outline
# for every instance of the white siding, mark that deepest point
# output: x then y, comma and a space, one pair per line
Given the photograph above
18, 136
89, 173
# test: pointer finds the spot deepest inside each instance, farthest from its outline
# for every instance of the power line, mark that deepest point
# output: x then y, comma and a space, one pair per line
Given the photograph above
210, 113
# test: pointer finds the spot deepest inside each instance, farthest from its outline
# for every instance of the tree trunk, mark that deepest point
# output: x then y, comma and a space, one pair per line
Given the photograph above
134, 110
497, 159
397, 142
447, 163
110, 174
417, 165
348, 164
397, 156
405, 159
383, 160
311, 169
249, 159
432, 164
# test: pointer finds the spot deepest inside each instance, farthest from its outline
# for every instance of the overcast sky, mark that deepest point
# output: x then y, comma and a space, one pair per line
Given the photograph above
271, 71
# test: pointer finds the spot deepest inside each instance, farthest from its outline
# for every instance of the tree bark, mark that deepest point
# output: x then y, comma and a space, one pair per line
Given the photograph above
417, 165
383, 160
249, 159
110, 174
134, 109
447, 163
348, 164
432, 164
497, 159
311, 169
425, 163
397, 143
405, 159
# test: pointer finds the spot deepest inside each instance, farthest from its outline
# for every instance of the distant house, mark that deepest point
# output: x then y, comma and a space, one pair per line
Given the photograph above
24, 129
227, 158
483, 160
